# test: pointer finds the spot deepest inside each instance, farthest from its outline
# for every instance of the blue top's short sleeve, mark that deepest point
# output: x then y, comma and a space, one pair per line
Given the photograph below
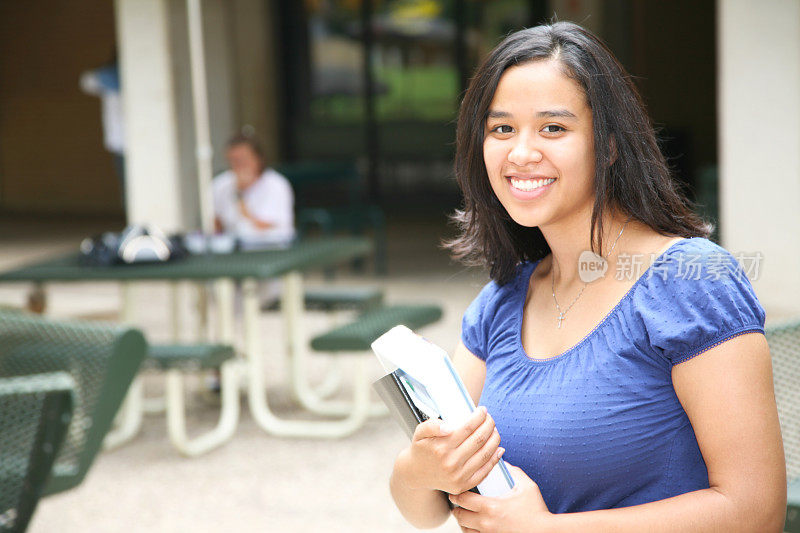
696, 300
474, 326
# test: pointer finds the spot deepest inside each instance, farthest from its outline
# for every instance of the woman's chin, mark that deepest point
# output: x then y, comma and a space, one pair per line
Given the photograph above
527, 221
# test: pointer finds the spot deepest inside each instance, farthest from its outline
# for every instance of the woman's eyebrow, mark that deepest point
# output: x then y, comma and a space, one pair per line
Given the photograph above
497, 114
561, 113
550, 113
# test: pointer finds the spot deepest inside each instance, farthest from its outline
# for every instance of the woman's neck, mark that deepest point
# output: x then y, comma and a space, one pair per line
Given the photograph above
570, 238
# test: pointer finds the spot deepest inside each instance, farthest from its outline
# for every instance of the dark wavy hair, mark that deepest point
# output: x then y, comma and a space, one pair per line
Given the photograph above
631, 173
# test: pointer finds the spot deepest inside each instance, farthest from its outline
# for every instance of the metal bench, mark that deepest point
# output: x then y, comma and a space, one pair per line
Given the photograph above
188, 357
336, 298
342, 298
35, 412
102, 360
359, 334
356, 337
176, 359
331, 300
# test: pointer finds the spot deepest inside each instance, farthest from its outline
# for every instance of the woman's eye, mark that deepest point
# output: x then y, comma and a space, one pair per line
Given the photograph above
553, 128
503, 128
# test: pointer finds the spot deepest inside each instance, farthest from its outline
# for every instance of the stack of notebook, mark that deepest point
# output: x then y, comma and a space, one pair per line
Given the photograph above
421, 383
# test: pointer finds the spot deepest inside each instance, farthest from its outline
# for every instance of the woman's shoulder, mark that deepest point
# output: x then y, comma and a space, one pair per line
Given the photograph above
695, 244
695, 259
495, 295
495, 305
496, 292
693, 295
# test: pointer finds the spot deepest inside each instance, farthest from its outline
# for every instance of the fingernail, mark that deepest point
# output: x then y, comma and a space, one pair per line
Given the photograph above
445, 429
482, 409
500, 452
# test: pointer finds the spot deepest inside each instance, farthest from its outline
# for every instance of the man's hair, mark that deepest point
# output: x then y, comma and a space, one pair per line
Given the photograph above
631, 173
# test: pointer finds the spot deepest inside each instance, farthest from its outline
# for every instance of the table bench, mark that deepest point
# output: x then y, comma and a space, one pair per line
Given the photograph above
244, 267
356, 337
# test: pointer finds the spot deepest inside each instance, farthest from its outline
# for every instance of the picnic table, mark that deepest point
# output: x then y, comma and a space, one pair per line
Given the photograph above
246, 268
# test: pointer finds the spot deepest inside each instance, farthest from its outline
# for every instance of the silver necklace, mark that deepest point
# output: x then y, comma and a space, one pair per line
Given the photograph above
563, 314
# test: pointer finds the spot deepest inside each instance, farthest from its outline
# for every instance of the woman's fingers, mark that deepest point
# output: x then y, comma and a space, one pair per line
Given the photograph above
483, 455
459, 453
431, 428
467, 519
477, 439
438, 428
484, 470
475, 421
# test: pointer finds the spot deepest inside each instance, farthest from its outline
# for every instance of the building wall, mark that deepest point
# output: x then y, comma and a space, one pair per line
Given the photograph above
254, 56
52, 158
759, 110
51, 153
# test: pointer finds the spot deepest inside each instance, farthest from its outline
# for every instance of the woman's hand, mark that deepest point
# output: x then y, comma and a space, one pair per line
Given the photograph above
520, 511
454, 460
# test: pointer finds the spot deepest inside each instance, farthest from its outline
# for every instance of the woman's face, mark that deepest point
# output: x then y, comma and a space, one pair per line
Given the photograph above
538, 145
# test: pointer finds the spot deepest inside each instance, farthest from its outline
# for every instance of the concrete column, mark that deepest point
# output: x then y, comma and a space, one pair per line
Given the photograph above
161, 164
759, 113
220, 97
152, 158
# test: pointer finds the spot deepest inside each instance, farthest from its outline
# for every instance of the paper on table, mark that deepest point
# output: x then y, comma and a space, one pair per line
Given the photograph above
439, 387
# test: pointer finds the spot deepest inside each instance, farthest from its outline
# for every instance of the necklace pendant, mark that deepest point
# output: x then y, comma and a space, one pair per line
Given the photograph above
560, 319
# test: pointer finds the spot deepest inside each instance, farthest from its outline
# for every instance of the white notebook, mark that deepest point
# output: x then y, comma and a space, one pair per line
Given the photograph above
437, 389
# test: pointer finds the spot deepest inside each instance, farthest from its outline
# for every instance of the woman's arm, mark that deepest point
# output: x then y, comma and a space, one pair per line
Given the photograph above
426, 507
727, 393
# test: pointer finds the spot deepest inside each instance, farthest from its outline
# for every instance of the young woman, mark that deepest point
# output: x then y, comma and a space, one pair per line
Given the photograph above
618, 351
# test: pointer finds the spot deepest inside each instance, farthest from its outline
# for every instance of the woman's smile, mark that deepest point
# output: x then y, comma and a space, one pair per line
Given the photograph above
524, 188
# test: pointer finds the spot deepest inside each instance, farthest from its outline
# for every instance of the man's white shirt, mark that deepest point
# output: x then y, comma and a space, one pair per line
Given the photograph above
270, 199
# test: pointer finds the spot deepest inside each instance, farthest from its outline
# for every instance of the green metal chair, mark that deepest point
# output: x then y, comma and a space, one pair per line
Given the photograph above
784, 346
102, 360
34, 415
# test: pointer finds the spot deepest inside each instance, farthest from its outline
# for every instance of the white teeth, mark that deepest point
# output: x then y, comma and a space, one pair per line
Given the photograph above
529, 185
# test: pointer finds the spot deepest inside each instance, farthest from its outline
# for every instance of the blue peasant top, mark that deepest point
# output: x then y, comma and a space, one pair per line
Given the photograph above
600, 426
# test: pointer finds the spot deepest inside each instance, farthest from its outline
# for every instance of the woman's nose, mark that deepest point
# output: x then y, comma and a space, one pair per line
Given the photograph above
523, 153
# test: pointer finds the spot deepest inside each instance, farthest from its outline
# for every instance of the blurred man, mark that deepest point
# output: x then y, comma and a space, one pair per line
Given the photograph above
252, 201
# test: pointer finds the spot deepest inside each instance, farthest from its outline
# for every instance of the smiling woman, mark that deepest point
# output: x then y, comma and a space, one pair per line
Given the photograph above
641, 401
539, 131
621, 143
